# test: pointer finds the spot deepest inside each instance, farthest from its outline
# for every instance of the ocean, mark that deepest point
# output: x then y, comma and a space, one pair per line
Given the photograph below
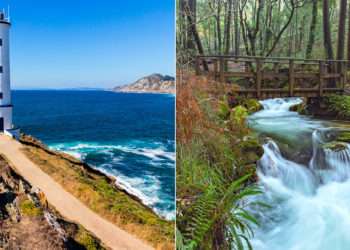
130, 136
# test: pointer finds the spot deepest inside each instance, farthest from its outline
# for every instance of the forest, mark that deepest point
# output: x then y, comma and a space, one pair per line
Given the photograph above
315, 29
262, 172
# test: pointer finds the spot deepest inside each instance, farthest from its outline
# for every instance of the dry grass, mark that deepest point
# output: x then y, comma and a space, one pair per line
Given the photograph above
102, 196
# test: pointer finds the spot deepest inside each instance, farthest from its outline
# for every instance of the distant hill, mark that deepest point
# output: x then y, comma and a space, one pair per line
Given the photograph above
155, 83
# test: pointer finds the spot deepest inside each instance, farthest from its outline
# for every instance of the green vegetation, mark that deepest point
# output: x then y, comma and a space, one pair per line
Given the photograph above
335, 146
339, 105
86, 240
216, 155
28, 208
101, 195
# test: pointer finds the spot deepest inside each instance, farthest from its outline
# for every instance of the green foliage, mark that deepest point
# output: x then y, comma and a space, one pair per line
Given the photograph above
28, 208
340, 105
224, 109
221, 206
239, 115
86, 240
252, 105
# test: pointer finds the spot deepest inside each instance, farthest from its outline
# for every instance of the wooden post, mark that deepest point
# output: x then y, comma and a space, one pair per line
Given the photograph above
343, 75
222, 69
197, 66
216, 68
321, 79
258, 77
291, 77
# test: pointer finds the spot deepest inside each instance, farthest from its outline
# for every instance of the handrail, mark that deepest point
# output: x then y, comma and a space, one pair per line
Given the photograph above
330, 71
269, 58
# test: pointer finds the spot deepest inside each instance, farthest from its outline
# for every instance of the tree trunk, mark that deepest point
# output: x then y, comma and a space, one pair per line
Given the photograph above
237, 31
194, 33
311, 41
327, 41
228, 27
349, 38
218, 27
191, 4
341, 30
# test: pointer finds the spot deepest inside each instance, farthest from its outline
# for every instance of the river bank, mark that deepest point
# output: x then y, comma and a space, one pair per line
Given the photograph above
99, 192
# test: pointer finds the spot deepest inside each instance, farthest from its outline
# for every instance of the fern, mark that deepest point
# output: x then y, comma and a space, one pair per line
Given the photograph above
221, 205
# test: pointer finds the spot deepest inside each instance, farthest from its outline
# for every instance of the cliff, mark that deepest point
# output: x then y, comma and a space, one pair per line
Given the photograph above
27, 221
155, 83
100, 193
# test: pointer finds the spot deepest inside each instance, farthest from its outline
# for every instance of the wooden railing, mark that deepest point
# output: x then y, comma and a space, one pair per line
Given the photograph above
296, 77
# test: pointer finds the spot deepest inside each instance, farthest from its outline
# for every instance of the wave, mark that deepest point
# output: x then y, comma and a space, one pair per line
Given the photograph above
122, 160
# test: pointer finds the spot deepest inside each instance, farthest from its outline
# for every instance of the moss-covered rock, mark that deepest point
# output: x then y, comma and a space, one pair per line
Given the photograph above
251, 150
300, 108
344, 136
335, 146
252, 105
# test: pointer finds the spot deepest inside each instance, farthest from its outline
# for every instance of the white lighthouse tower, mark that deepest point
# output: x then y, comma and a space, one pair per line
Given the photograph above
5, 89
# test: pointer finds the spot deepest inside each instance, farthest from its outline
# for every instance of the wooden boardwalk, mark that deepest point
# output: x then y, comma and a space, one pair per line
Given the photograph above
275, 77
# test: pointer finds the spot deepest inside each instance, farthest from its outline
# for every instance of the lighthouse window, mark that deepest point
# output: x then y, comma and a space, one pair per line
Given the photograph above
0, 69
0, 42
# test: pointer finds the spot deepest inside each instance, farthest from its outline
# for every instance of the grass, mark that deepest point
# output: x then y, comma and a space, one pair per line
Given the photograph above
28, 208
86, 240
216, 155
102, 196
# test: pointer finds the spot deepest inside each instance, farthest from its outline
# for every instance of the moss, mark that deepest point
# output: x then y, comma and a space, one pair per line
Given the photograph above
338, 105
344, 136
335, 146
86, 240
252, 105
28, 208
251, 150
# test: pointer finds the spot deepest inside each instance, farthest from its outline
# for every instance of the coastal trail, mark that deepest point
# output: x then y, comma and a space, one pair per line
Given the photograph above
64, 202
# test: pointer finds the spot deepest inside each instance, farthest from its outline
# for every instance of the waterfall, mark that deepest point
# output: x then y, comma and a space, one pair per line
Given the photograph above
310, 204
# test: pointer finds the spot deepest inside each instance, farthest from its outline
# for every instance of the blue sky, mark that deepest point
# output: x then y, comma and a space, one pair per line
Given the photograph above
63, 44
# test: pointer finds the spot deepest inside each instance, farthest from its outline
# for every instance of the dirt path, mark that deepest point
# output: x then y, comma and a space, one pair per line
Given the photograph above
65, 203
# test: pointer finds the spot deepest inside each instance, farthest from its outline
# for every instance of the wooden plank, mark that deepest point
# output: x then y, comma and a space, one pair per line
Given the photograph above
305, 75
239, 74
332, 75
271, 75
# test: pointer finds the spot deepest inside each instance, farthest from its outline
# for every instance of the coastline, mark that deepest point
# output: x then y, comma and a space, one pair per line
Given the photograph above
145, 92
147, 230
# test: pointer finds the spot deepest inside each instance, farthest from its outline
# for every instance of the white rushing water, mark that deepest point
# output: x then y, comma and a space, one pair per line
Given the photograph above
310, 204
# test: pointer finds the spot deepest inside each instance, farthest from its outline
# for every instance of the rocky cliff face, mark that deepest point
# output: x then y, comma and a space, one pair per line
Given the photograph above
155, 83
27, 221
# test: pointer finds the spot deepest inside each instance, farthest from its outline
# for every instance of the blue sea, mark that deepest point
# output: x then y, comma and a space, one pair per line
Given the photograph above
130, 136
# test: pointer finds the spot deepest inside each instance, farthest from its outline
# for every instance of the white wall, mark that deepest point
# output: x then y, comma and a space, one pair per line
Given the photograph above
5, 63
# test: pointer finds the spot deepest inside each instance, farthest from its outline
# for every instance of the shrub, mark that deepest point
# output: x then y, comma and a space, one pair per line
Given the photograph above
27, 207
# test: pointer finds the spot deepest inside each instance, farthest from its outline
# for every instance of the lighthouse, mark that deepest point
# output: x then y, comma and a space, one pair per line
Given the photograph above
6, 106
5, 88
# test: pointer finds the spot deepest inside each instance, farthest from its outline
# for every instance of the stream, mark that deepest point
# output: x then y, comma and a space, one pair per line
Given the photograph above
305, 184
